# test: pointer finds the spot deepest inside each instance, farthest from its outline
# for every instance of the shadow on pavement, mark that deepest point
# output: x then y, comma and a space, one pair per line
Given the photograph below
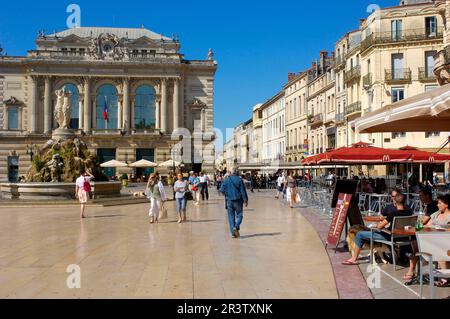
261, 235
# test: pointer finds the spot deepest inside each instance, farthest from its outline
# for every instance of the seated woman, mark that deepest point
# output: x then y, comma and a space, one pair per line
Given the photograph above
439, 219
401, 210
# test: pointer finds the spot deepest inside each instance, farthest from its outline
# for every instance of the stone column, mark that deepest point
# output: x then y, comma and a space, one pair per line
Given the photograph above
164, 105
94, 113
47, 106
181, 99
157, 111
176, 104
126, 105
33, 102
133, 115
87, 120
80, 114
120, 121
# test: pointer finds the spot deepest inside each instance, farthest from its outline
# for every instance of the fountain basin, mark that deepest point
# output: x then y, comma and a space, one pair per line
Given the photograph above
56, 191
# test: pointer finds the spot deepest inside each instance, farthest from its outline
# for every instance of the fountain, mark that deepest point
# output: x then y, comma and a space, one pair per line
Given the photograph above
59, 162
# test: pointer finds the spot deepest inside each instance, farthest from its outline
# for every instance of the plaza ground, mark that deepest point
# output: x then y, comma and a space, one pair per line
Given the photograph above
280, 254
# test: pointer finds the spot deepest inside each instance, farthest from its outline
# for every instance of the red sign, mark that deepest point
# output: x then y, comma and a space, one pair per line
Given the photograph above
339, 218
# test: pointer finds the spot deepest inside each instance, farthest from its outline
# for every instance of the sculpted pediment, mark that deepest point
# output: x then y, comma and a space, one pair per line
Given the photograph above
196, 103
13, 101
144, 41
73, 39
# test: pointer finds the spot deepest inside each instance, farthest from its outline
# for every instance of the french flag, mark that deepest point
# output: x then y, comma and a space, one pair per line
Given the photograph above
105, 111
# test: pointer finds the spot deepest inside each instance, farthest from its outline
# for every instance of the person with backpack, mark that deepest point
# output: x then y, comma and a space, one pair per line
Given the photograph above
82, 190
236, 196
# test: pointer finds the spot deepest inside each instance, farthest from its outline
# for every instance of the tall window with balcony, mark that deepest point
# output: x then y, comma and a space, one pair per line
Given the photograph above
431, 27
107, 101
429, 64
145, 107
396, 30
397, 66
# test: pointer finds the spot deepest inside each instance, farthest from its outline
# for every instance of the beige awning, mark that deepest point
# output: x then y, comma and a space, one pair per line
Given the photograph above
170, 163
143, 164
113, 163
425, 112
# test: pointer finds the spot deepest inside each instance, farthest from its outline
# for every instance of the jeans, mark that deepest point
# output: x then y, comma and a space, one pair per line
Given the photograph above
365, 235
181, 205
205, 191
235, 214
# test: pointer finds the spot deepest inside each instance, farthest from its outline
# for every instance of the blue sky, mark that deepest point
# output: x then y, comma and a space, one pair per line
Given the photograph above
256, 43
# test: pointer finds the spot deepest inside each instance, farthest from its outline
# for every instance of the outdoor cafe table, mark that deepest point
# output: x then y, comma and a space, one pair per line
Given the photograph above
413, 231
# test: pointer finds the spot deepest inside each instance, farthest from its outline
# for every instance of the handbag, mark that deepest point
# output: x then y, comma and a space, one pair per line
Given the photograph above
86, 186
163, 212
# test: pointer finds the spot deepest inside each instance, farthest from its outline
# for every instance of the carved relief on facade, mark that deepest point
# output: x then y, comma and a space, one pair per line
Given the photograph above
108, 47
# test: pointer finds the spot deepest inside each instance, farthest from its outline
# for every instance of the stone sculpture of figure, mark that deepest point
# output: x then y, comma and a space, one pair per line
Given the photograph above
55, 167
210, 55
77, 144
62, 109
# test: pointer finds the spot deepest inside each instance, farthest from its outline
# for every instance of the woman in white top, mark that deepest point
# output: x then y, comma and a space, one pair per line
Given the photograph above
157, 197
81, 191
180, 188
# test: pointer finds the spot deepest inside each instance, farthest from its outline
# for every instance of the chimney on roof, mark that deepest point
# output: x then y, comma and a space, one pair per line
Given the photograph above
323, 58
361, 22
291, 76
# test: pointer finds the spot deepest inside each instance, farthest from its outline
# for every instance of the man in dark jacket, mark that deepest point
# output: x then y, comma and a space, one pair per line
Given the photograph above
236, 196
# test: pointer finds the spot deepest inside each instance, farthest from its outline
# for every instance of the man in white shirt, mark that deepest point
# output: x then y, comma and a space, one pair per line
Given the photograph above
204, 185
281, 181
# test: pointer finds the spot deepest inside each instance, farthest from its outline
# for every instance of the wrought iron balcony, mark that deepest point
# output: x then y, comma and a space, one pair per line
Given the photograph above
353, 75
316, 119
353, 108
426, 75
408, 35
340, 118
367, 79
397, 76
339, 61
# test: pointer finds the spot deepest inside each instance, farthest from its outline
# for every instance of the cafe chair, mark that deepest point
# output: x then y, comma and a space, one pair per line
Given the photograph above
433, 247
399, 223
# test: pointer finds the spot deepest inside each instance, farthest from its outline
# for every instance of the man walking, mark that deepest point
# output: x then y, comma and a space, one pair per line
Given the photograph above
236, 195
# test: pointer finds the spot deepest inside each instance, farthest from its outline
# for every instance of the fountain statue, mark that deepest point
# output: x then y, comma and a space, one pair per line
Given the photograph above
64, 156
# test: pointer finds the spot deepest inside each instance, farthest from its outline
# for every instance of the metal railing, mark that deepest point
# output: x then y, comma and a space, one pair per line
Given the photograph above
339, 60
340, 118
426, 75
353, 108
316, 119
393, 37
367, 79
353, 74
397, 75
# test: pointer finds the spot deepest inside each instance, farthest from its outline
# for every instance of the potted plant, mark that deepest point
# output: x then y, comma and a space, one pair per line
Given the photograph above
124, 179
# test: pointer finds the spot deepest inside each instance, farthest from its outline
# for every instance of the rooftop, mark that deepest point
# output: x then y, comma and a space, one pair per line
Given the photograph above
130, 33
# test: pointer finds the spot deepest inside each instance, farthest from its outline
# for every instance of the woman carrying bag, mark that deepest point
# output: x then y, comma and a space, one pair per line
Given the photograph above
82, 190
291, 193
155, 192
181, 189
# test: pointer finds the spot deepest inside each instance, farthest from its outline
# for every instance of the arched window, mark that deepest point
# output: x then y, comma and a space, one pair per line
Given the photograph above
75, 107
107, 103
145, 107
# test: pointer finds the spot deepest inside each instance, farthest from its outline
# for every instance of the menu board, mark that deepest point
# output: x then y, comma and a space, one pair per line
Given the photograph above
339, 219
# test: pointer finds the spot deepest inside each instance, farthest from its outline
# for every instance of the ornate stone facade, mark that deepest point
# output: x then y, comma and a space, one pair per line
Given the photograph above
137, 77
